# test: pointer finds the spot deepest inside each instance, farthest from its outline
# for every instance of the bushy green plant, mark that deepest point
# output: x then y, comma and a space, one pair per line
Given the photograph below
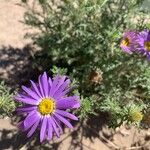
83, 37
7, 104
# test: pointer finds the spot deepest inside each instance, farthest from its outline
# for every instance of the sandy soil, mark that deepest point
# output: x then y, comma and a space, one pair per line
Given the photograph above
15, 50
12, 30
15, 54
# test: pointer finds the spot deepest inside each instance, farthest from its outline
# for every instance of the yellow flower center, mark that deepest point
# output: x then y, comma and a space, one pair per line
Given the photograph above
125, 42
46, 106
136, 116
147, 46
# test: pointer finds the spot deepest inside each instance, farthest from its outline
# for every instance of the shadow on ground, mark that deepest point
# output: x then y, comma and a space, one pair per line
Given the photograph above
92, 130
16, 65
12, 139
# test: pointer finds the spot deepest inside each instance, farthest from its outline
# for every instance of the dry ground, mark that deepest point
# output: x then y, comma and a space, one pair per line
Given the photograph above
15, 54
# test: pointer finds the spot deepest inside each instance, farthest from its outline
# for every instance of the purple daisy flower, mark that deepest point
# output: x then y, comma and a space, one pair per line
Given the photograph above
144, 43
45, 106
128, 41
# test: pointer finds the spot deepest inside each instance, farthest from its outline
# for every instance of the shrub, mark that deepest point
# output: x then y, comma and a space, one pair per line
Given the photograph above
7, 105
83, 37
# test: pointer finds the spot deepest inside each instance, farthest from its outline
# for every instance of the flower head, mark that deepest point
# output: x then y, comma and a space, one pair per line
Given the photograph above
143, 41
95, 76
128, 42
136, 116
46, 105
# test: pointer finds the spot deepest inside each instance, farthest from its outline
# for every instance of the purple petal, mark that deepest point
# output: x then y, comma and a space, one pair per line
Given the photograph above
40, 86
50, 130
54, 84
68, 103
66, 114
148, 56
50, 82
61, 89
60, 82
57, 122
26, 109
43, 129
31, 93
21, 125
26, 100
30, 120
65, 121
44, 81
65, 92
26, 96
54, 126
36, 88
126, 49
33, 128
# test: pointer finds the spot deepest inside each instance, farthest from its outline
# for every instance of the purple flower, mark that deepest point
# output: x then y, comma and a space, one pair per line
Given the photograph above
45, 106
128, 41
144, 43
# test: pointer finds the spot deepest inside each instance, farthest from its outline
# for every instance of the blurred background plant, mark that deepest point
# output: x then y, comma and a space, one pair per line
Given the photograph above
83, 37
